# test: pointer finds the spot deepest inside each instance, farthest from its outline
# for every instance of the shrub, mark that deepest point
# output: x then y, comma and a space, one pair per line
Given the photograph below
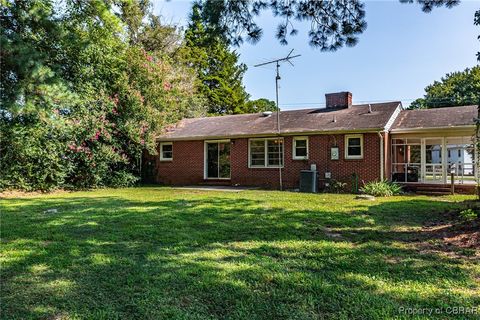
381, 188
335, 186
123, 179
468, 214
31, 156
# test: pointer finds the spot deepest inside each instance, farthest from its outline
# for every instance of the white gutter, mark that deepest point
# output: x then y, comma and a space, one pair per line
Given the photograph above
382, 160
270, 134
417, 130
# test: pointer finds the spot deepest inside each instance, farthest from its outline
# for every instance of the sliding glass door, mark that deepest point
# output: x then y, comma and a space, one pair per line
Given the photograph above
217, 160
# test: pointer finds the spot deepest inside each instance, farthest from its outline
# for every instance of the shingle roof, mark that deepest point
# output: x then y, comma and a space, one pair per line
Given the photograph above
354, 118
436, 118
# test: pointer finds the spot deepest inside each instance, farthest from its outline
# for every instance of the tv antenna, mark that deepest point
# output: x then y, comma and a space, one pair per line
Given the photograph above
277, 78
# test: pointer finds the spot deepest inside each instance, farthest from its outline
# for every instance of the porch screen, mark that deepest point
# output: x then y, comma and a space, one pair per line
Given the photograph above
434, 160
461, 160
406, 160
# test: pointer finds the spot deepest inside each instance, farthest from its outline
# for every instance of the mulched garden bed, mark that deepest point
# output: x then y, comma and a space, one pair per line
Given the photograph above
454, 233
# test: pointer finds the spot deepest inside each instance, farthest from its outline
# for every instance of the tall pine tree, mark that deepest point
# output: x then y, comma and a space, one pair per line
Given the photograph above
218, 71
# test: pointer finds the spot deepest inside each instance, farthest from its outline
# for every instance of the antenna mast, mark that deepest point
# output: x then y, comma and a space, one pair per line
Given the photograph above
277, 79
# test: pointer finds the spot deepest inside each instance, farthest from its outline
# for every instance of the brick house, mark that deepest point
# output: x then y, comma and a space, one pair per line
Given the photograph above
345, 142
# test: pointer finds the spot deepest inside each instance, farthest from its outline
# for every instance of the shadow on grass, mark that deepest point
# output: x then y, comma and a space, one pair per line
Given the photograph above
221, 257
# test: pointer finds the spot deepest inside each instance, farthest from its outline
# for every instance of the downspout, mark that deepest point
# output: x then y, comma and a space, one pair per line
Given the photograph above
382, 160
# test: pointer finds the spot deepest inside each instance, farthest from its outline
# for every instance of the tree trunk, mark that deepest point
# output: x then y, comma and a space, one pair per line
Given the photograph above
477, 141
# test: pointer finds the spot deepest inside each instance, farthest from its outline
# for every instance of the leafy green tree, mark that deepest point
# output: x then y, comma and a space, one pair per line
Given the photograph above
33, 134
455, 89
146, 30
218, 71
80, 99
260, 105
477, 23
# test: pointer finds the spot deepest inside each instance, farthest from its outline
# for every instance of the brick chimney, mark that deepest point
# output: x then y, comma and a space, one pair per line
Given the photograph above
339, 99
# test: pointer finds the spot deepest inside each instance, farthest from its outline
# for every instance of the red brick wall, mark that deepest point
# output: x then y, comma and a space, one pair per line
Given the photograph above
187, 166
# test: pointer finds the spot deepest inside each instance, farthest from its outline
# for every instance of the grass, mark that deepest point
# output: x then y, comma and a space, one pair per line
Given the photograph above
161, 253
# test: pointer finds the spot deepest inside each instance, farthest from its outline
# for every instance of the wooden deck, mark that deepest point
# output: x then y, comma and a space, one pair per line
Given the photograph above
439, 188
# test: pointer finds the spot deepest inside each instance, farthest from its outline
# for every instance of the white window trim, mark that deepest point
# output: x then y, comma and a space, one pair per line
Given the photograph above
161, 151
266, 153
294, 146
349, 136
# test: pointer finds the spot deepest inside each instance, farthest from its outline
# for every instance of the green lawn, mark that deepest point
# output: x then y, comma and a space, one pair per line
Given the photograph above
161, 253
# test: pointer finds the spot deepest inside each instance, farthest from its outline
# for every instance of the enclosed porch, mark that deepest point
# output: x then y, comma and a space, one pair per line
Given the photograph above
444, 161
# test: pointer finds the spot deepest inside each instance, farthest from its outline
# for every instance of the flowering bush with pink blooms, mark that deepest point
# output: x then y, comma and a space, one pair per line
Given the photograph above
94, 134
110, 135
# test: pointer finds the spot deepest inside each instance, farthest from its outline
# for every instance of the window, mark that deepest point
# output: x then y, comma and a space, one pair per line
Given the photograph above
300, 148
274, 153
266, 153
354, 146
166, 151
459, 153
257, 153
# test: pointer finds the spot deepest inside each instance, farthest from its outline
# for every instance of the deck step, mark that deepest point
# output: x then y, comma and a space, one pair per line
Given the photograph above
439, 189
459, 188
433, 193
